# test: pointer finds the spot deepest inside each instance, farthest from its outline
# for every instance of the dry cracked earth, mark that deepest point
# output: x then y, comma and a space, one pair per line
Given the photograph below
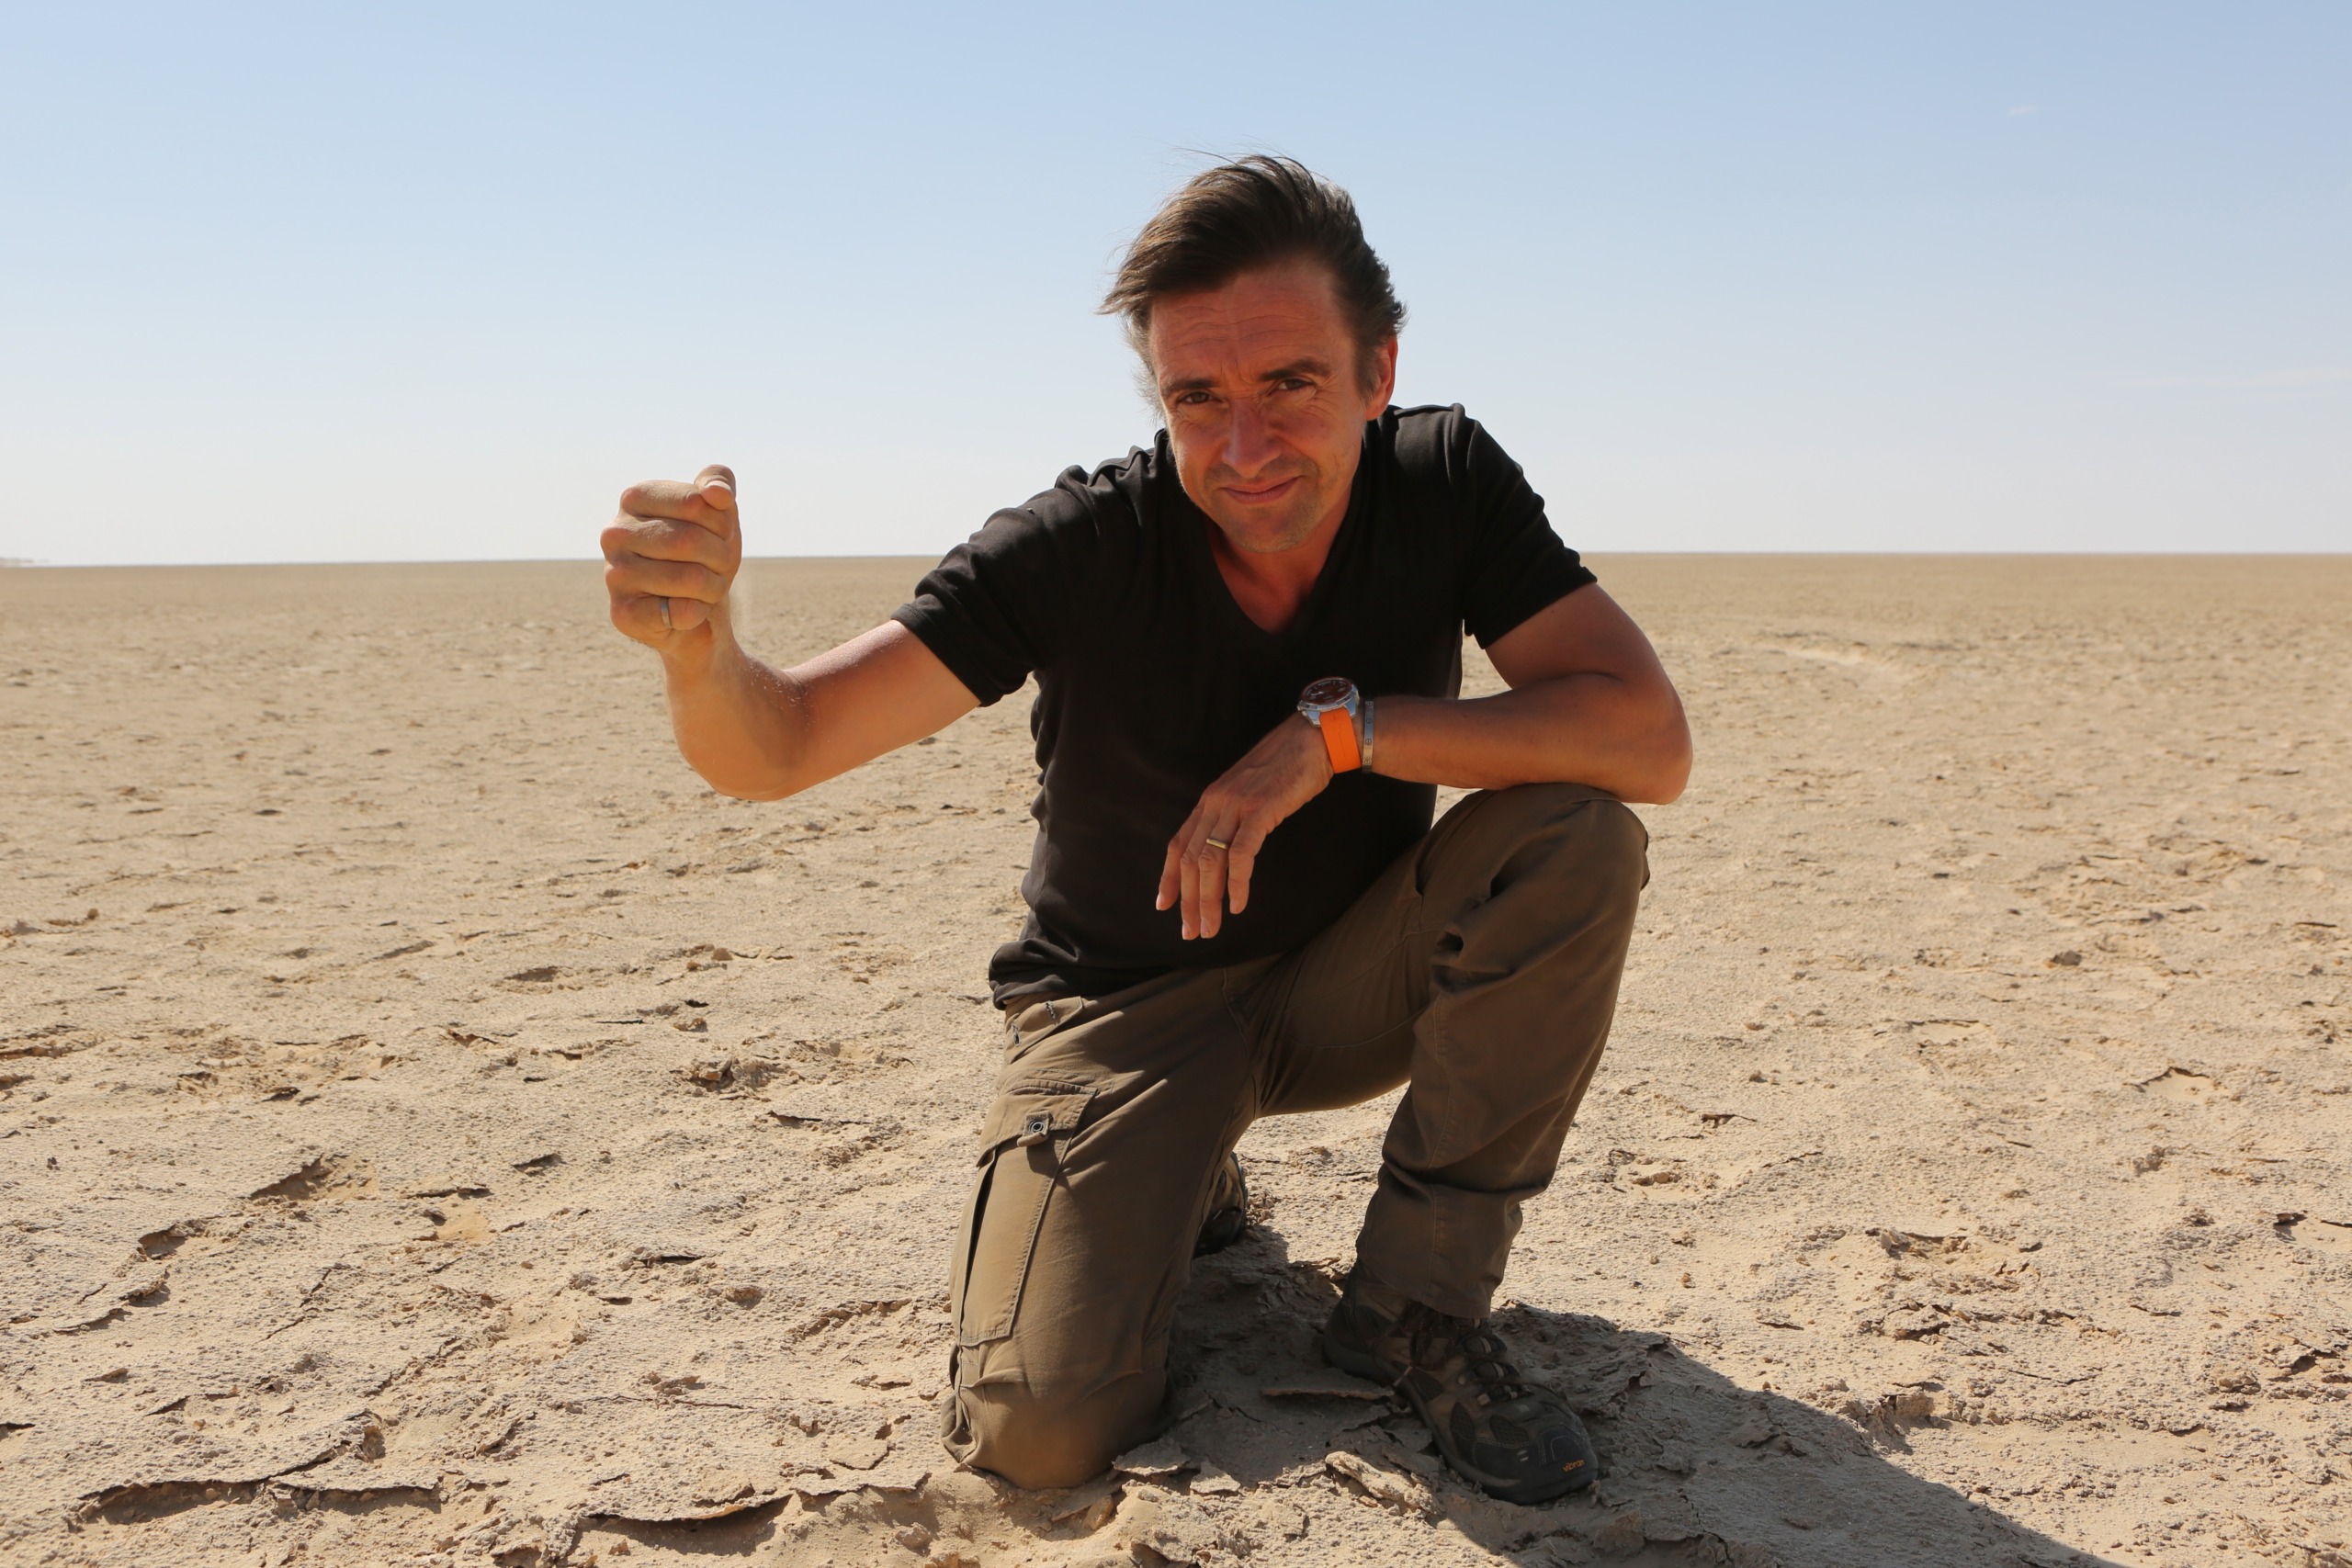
435, 1129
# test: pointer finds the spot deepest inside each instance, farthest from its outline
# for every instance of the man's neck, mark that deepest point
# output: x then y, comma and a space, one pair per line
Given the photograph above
1272, 586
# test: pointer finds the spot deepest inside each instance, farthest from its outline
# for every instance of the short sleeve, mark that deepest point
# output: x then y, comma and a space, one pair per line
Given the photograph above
1513, 564
995, 609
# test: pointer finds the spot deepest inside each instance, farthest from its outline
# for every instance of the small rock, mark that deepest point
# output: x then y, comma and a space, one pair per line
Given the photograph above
1385, 1485
1163, 1457
1915, 1323
1890, 1411
722, 1487
2067, 960
1212, 1482
2234, 1379
857, 1453
1913, 1404
1752, 1431
1426, 1465
1102, 1492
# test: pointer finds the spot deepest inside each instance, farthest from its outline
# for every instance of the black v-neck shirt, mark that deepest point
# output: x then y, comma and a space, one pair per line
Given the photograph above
1151, 680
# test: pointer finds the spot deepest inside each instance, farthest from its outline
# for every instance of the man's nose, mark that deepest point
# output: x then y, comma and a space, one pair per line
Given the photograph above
1249, 440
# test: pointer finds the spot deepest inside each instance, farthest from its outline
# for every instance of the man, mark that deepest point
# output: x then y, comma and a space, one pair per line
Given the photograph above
1247, 642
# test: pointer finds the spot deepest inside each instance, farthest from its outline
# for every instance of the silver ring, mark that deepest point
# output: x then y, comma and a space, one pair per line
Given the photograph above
1220, 843
666, 627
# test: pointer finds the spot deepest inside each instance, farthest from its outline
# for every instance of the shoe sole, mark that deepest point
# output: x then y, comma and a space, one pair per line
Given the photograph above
1228, 1225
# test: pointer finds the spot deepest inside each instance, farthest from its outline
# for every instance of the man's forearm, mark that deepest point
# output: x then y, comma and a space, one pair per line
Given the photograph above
1596, 730
734, 718
760, 733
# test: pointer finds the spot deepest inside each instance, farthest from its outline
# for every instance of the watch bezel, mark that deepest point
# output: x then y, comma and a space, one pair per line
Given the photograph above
1340, 694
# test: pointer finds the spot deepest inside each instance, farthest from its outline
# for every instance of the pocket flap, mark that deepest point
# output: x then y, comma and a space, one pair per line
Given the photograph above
1033, 1112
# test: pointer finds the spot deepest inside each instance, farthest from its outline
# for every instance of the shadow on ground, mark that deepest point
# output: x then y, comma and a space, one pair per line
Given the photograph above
1276, 1457
1696, 1469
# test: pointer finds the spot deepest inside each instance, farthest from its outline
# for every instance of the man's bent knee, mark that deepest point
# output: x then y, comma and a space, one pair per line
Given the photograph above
1617, 845
1043, 1440
1573, 830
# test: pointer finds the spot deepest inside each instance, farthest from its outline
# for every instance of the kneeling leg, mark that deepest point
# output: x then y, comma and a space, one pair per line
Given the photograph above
1096, 1162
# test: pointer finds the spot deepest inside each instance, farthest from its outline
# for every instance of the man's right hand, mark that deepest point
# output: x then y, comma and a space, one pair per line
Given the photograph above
670, 557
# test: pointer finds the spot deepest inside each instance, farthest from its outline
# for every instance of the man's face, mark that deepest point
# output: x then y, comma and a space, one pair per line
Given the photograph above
1265, 401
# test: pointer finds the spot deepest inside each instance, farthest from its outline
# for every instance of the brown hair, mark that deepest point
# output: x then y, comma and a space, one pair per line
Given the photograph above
1256, 211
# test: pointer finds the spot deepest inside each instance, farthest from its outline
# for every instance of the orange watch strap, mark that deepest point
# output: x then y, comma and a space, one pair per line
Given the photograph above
1339, 740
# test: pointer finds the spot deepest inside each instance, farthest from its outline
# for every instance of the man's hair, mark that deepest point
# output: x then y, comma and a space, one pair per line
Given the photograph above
1257, 211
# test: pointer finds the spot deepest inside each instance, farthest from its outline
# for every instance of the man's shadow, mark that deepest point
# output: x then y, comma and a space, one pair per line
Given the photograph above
1695, 1469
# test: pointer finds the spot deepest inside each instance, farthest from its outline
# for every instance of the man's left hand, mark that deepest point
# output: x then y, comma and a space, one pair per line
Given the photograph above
1281, 773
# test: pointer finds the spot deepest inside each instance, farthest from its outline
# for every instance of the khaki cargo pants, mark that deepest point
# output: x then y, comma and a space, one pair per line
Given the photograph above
1481, 969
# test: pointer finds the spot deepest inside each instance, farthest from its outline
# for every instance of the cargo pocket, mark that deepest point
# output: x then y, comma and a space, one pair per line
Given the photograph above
1022, 1147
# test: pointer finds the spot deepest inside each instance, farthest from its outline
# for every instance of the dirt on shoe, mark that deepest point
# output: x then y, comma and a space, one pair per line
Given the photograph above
1512, 1438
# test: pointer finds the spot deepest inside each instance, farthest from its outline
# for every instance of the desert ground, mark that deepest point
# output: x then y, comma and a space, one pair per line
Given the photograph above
434, 1129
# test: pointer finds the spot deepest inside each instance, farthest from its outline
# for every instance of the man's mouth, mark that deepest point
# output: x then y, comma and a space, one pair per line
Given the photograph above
1250, 495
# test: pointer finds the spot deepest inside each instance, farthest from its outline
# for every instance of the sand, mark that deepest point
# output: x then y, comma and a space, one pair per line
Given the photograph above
434, 1129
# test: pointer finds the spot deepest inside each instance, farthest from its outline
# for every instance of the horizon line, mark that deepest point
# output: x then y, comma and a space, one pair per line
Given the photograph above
18, 563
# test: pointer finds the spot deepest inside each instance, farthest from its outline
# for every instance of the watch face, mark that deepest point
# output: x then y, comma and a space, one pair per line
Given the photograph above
1331, 691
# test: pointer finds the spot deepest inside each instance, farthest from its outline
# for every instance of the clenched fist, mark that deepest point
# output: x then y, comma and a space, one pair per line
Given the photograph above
670, 558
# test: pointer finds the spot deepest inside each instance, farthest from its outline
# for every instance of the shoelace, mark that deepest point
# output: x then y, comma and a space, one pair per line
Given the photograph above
1487, 1358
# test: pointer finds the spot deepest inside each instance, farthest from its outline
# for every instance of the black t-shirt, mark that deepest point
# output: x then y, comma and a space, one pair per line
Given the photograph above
1151, 682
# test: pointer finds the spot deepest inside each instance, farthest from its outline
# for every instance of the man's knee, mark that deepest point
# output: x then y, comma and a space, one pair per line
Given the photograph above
1041, 1441
1577, 835
1615, 847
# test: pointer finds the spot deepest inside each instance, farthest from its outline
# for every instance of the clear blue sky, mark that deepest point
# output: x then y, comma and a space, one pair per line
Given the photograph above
342, 282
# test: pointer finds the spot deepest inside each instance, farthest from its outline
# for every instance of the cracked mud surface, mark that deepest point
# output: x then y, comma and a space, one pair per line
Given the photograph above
435, 1129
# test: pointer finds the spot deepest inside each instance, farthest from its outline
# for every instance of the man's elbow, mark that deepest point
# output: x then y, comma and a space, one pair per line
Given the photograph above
756, 796
1667, 785
1665, 771
763, 785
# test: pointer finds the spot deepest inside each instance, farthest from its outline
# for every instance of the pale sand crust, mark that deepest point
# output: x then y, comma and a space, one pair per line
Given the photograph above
394, 1171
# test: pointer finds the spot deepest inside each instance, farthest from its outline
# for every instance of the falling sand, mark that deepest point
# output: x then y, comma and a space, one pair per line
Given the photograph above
434, 1129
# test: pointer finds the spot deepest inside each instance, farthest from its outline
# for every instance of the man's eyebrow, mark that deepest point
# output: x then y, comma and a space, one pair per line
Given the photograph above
1307, 366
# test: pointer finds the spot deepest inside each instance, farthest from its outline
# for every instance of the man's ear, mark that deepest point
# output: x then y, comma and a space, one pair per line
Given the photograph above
1380, 383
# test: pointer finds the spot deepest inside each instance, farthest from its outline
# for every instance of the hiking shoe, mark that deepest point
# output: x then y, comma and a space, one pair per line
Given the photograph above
1229, 1209
1508, 1438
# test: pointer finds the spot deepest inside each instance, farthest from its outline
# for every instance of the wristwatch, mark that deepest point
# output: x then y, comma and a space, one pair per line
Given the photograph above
1332, 706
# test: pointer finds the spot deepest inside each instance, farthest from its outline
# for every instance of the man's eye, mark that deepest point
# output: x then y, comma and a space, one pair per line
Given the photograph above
1191, 399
